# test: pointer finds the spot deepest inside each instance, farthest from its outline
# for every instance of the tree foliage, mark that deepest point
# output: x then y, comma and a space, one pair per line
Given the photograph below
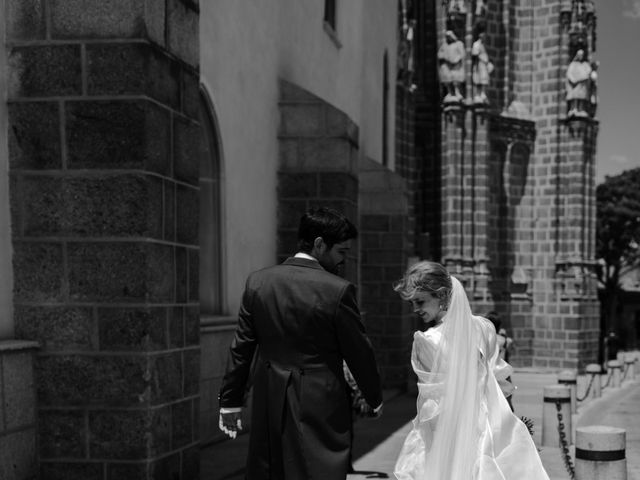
618, 226
617, 237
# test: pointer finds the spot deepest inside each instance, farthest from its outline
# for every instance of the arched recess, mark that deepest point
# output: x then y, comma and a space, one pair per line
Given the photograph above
211, 245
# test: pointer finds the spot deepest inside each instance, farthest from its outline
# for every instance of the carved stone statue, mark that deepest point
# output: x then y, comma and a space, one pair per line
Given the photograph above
481, 8
578, 86
451, 57
481, 69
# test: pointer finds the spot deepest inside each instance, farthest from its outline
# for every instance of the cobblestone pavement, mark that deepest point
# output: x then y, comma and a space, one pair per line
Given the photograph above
377, 442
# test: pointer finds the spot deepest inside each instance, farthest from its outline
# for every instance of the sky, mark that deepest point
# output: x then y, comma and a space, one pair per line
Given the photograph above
618, 51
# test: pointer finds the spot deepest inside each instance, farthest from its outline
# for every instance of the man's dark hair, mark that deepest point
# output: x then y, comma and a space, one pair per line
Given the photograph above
494, 317
332, 226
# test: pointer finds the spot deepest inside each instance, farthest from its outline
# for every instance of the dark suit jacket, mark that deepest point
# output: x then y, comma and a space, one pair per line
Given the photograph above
303, 321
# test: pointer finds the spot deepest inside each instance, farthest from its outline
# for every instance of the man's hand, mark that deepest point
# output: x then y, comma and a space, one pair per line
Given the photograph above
230, 423
376, 412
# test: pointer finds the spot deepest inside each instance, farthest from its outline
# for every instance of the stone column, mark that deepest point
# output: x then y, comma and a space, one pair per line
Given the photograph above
104, 155
318, 165
385, 245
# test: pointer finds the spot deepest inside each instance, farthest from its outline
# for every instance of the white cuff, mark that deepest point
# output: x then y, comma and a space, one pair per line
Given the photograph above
377, 409
230, 410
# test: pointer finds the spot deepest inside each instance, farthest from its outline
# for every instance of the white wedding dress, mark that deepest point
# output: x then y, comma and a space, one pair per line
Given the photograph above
443, 443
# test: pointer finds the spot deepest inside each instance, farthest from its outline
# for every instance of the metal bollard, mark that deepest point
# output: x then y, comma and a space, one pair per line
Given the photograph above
556, 412
569, 378
630, 366
600, 453
615, 370
595, 380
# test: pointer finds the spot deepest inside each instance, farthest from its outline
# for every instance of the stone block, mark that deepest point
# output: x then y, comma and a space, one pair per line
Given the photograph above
85, 380
288, 153
290, 92
191, 99
302, 120
45, 71
115, 205
327, 154
339, 124
176, 327
79, 19
187, 150
182, 272
187, 215
338, 185
37, 271
118, 134
183, 24
25, 20
287, 241
131, 434
194, 275
56, 328
192, 326
34, 136
169, 211
167, 373
182, 424
43, 206
61, 433
191, 371
18, 388
121, 272
18, 459
290, 212
86, 207
297, 185
133, 69
132, 329
71, 470
374, 223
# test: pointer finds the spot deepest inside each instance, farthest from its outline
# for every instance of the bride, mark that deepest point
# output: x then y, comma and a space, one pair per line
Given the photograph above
464, 428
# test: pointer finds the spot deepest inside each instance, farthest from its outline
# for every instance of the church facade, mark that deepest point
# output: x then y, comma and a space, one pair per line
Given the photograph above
156, 152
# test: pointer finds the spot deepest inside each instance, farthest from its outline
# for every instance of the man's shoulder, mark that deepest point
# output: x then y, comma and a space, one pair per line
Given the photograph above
283, 270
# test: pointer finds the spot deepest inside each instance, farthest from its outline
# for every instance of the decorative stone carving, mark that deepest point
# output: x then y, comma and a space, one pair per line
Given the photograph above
481, 70
481, 8
578, 83
451, 57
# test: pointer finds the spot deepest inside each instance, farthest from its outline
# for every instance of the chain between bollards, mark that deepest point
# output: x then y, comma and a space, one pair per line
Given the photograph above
609, 375
586, 394
564, 445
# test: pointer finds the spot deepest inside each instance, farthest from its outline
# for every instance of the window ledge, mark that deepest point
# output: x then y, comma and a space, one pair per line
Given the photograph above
333, 35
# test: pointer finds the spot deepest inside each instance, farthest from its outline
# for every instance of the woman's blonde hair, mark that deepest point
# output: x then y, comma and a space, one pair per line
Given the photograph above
428, 277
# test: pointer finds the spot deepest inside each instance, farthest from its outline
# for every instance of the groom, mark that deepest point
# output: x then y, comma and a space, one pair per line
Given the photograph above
301, 320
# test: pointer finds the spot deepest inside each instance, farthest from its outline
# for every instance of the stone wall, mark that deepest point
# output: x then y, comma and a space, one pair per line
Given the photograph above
104, 155
18, 456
